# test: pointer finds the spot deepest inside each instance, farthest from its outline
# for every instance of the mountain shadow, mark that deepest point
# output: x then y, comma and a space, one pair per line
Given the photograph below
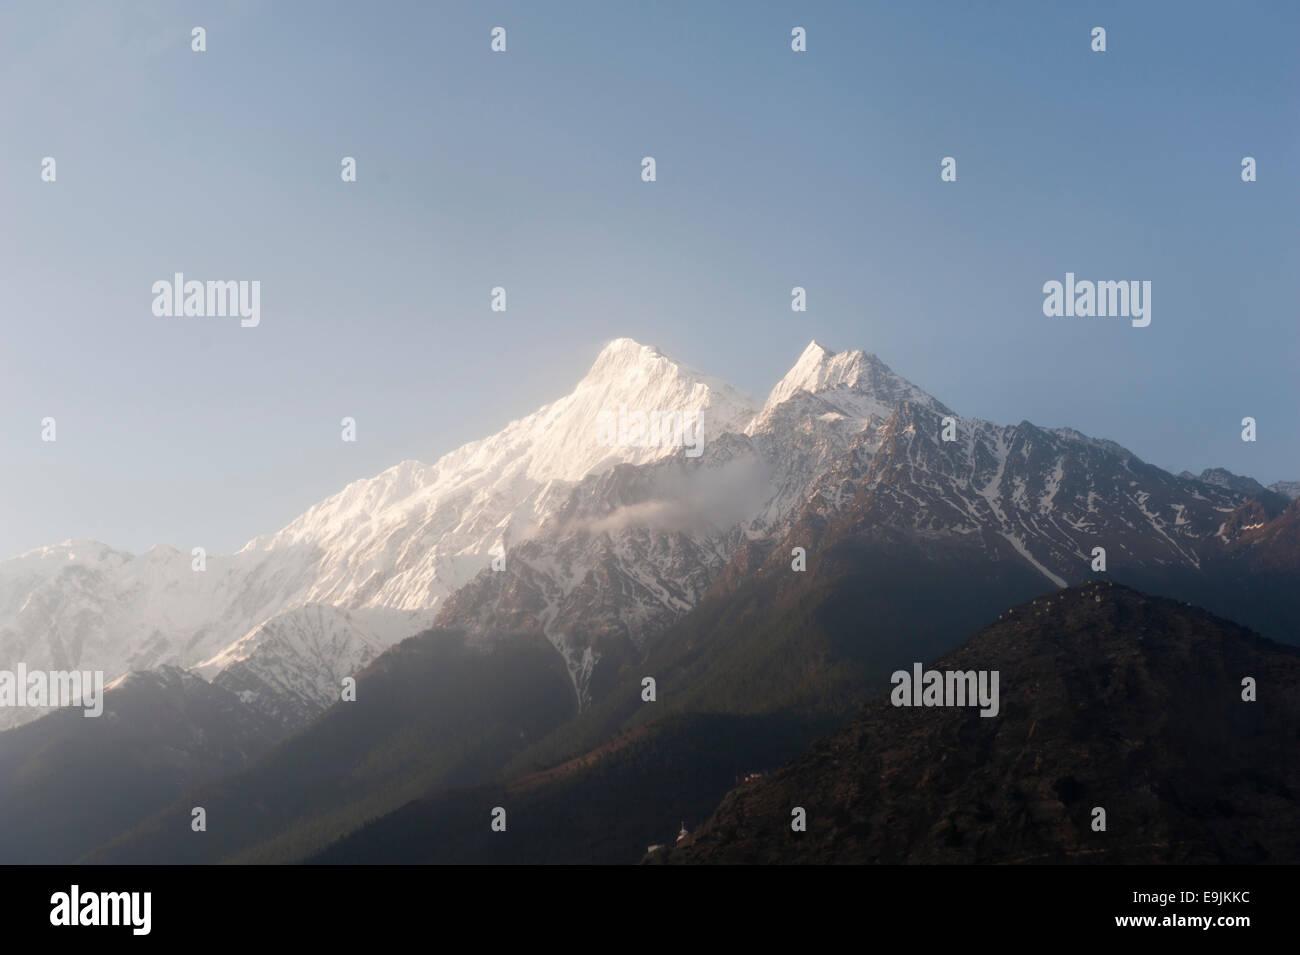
432, 712
68, 783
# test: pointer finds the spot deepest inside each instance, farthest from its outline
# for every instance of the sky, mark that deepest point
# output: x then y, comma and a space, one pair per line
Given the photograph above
522, 169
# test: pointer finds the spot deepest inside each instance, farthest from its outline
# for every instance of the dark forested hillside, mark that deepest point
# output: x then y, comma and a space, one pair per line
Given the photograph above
1110, 699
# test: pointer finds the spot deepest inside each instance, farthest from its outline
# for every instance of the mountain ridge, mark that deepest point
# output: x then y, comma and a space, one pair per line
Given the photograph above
576, 521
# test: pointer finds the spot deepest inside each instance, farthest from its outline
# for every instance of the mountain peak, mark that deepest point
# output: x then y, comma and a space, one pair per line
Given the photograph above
856, 382
624, 355
1222, 477
629, 377
819, 369
624, 345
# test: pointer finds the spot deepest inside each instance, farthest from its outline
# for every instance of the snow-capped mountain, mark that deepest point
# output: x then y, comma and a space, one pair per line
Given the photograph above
1048, 496
399, 542
856, 385
607, 524
633, 549
842, 447
410, 536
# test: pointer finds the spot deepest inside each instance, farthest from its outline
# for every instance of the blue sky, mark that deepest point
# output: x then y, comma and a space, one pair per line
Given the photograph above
522, 169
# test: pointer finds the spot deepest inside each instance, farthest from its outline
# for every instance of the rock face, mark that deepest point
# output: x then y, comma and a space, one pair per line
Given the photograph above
1109, 699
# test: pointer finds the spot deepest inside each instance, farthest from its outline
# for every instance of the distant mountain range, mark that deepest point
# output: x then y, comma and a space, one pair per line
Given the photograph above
768, 584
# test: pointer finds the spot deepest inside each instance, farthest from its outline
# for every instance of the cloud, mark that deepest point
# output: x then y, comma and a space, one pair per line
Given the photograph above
693, 500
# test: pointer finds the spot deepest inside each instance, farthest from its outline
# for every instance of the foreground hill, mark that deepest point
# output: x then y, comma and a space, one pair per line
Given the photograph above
1109, 698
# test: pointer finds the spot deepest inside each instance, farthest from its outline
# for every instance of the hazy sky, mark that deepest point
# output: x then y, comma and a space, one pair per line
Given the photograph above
522, 169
